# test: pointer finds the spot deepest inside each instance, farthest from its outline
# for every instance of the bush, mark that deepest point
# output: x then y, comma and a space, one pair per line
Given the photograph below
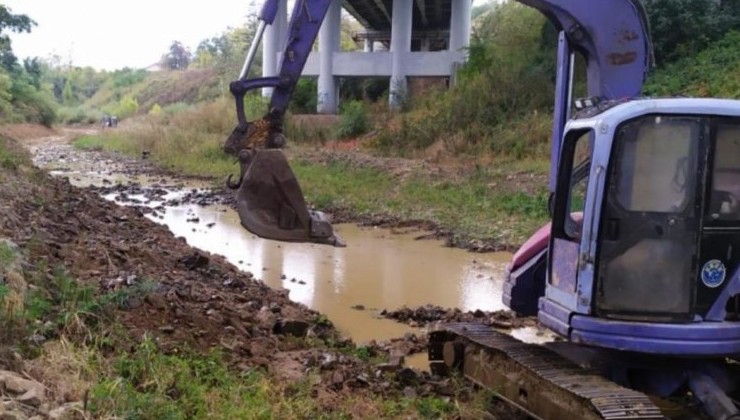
304, 97
353, 120
712, 73
78, 115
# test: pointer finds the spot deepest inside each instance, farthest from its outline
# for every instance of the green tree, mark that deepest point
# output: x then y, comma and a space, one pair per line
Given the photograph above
682, 28
13, 23
178, 57
68, 97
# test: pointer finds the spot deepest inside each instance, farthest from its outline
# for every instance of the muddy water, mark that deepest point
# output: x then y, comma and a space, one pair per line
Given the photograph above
378, 270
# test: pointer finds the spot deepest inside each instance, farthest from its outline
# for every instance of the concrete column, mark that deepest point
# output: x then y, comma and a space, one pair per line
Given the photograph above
274, 42
460, 24
401, 25
368, 45
329, 43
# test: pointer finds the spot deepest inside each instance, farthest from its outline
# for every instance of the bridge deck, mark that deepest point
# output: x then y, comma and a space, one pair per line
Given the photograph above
376, 14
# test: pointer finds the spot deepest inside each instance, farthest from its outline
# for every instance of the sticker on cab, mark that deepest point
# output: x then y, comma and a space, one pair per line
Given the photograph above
713, 273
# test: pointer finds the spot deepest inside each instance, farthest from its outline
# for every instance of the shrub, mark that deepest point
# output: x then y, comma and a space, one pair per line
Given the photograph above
353, 120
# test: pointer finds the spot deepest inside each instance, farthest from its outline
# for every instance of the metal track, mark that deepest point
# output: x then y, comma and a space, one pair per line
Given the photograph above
533, 377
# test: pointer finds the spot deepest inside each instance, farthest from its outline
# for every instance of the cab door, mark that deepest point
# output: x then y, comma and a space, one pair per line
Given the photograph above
568, 216
648, 247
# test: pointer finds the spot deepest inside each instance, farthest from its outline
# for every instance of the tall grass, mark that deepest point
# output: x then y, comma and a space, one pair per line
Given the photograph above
189, 141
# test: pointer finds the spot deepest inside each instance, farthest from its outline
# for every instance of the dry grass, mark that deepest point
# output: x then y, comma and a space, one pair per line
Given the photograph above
68, 370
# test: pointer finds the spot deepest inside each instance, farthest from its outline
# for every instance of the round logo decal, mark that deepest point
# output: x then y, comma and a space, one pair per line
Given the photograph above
713, 273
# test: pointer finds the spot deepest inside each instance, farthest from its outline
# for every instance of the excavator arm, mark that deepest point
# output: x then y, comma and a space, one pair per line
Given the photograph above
270, 202
613, 38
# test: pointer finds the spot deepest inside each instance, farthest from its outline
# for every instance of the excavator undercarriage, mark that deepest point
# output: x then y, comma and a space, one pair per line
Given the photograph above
536, 380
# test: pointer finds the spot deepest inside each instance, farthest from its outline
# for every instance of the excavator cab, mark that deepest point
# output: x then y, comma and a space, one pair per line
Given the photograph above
270, 201
655, 252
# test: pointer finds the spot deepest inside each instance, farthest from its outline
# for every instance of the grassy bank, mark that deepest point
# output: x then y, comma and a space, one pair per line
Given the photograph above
91, 360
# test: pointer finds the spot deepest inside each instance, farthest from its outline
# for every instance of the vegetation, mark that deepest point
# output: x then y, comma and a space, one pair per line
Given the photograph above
478, 115
683, 28
711, 73
146, 382
178, 57
353, 120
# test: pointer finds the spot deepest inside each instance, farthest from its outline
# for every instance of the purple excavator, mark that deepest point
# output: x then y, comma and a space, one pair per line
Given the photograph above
638, 271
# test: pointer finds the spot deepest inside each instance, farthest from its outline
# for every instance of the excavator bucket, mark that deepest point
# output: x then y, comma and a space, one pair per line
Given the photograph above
271, 205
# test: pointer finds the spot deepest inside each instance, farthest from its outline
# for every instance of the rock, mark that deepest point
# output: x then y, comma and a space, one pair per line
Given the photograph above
261, 362
60, 412
17, 385
328, 361
363, 379
337, 378
31, 397
266, 318
195, 261
388, 367
167, 329
396, 360
37, 339
409, 392
261, 347
407, 376
12, 415
358, 307
291, 327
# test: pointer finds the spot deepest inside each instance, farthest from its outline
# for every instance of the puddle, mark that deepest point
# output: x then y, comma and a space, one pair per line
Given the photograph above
378, 269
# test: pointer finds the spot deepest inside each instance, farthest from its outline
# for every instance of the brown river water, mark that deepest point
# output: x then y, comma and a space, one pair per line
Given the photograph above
379, 269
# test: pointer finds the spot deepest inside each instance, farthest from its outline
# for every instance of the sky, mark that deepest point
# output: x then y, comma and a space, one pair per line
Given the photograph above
109, 35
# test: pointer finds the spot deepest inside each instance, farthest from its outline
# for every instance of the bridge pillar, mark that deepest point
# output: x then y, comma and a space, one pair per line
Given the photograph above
401, 25
460, 24
369, 45
329, 43
274, 41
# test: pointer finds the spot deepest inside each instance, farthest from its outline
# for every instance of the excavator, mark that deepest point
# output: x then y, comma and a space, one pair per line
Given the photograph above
638, 272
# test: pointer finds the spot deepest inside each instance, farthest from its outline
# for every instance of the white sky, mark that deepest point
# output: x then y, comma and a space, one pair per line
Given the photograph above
109, 34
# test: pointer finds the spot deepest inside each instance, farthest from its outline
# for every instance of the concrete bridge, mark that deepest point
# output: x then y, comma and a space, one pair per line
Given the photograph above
402, 38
